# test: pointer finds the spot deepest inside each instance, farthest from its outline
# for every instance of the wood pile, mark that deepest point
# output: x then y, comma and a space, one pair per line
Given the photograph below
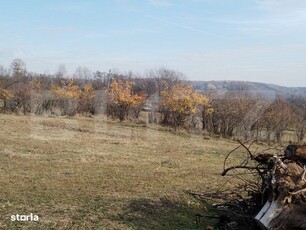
276, 200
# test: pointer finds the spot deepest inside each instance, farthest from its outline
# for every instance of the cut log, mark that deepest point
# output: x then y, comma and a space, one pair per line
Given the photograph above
269, 211
289, 209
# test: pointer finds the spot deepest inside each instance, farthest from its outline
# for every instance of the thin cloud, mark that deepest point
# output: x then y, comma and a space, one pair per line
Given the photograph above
296, 18
8, 52
179, 25
55, 30
160, 3
277, 5
275, 18
76, 7
121, 32
285, 12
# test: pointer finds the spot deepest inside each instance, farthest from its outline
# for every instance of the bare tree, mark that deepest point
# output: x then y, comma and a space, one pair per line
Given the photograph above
61, 71
18, 68
3, 71
165, 78
276, 119
83, 73
298, 106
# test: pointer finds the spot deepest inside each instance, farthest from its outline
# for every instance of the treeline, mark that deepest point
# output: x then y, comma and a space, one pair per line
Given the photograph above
250, 117
163, 96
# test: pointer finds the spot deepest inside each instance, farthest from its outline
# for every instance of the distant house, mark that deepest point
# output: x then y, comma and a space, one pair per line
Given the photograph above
152, 103
152, 107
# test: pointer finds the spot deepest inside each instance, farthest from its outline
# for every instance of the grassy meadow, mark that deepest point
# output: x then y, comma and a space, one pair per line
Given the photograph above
92, 173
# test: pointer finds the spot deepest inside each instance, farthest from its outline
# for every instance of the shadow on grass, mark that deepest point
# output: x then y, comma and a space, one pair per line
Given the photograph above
161, 214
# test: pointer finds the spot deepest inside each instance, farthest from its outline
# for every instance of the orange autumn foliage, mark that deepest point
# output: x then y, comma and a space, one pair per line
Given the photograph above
123, 99
5, 94
81, 97
180, 102
69, 90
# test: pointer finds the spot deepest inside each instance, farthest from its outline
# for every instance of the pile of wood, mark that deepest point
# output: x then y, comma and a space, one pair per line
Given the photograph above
286, 208
277, 201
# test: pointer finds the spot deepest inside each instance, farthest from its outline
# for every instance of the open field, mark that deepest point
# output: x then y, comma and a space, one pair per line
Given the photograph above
90, 173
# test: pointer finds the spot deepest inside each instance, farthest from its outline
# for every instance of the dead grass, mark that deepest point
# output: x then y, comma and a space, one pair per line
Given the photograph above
90, 173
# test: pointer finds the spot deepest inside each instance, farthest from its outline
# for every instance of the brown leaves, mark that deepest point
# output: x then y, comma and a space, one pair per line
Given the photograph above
122, 98
69, 90
6, 94
121, 93
181, 101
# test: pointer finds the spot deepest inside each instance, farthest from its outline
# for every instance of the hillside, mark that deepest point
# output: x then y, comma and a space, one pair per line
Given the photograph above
269, 90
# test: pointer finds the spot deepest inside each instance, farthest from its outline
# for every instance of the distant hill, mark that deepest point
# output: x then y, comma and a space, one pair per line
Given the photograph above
269, 90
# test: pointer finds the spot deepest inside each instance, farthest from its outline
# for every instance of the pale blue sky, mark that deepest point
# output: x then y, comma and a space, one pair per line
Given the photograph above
254, 40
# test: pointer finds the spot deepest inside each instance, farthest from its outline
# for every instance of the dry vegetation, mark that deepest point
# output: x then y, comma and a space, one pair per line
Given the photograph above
85, 173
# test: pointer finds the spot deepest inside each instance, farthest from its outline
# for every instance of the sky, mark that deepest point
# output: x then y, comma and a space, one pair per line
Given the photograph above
250, 40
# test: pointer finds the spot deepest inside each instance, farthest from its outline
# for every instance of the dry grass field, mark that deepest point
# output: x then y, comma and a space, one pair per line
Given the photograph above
91, 173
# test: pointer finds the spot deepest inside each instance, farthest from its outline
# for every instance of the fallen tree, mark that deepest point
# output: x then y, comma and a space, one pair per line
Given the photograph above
272, 195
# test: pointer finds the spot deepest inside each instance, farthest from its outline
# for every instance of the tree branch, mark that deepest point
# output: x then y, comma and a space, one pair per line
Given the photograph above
240, 167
